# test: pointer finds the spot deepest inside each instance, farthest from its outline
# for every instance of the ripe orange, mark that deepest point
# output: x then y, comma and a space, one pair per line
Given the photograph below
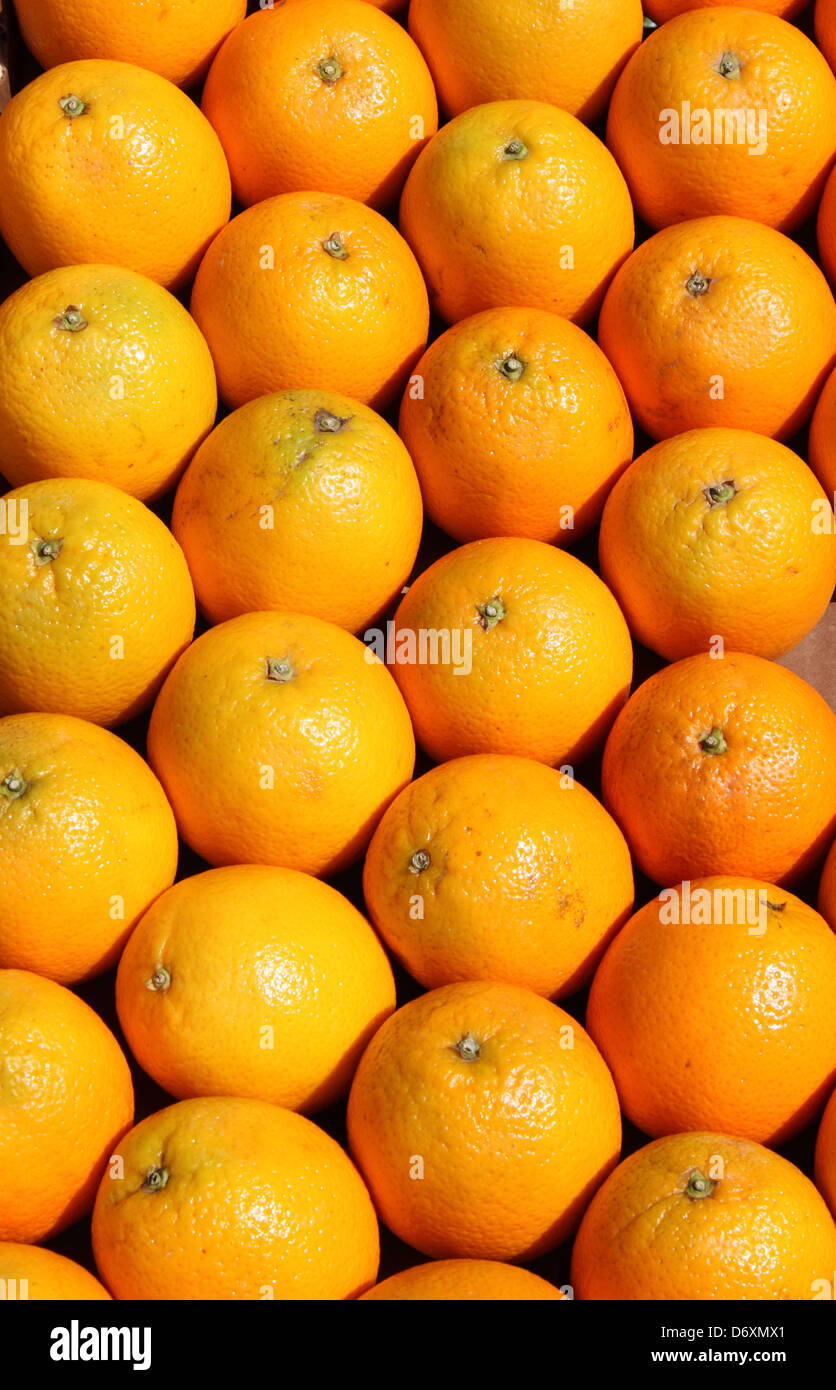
824, 23
826, 229
311, 291
724, 766
662, 10
704, 1216
725, 111
483, 1119
96, 602
489, 868
719, 532
517, 203
233, 1199
253, 981
104, 162
302, 500
720, 321
822, 447
37, 1274
463, 1281
541, 643
320, 93
66, 1098
519, 427
280, 739
87, 842
176, 39
827, 888
483, 50
740, 1034
826, 1154
126, 387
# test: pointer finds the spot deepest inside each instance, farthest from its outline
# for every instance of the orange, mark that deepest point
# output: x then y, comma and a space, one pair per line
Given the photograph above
126, 387
29, 1272
517, 203
826, 229
320, 93
87, 842
520, 427
703, 1217
724, 766
281, 740
661, 10
826, 1154
96, 602
311, 291
233, 1199
482, 1118
720, 321
824, 23
463, 1281
725, 111
304, 500
541, 642
489, 868
740, 1035
65, 1099
253, 981
104, 162
484, 50
176, 39
821, 449
827, 888
719, 532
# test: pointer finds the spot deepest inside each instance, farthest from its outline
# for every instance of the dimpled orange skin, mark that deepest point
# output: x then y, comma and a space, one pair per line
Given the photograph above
256, 1201
353, 127
521, 427
752, 351
712, 532
321, 320
65, 1099
302, 500
765, 805
722, 1023
126, 386
290, 763
73, 193
662, 10
87, 842
233, 952
825, 1159
176, 39
47, 1276
509, 873
550, 667
513, 1140
95, 606
762, 1233
517, 203
730, 60
463, 1280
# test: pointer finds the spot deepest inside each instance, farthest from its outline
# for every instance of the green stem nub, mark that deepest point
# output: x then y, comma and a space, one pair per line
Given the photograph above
419, 861
44, 551
720, 493
729, 66
71, 321
699, 1185
512, 367
468, 1048
280, 669
14, 784
491, 612
160, 980
515, 149
329, 69
336, 247
326, 423
72, 105
697, 284
155, 1180
713, 742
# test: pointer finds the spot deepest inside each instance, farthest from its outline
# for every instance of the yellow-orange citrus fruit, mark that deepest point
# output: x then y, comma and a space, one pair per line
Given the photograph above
826, 228
509, 645
740, 1034
87, 842
489, 868
725, 111
463, 1281
482, 1118
705, 1216
300, 500
96, 602
695, 734
253, 981
719, 533
824, 24
827, 888
280, 739
30, 1272
176, 39
325, 94
233, 1199
519, 427
66, 1098
822, 444
825, 1161
126, 387
107, 163
311, 291
663, 10
720, 321
517, 203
